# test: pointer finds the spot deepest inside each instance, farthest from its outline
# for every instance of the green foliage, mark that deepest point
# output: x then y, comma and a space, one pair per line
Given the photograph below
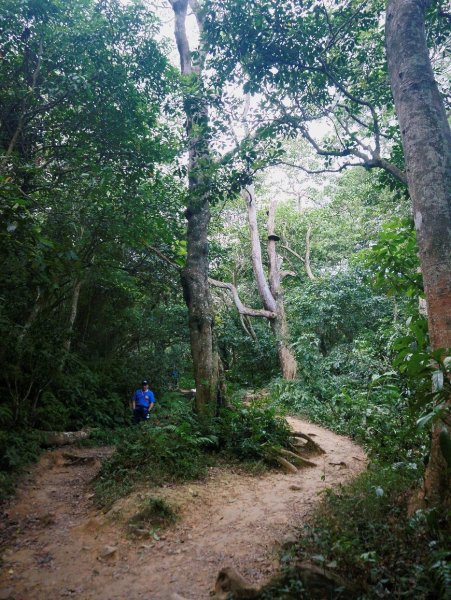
377, 415
253, 432
336, 308
171, 446
17, 450
393, 261
362, 531
81, 201
174, 446
248, 362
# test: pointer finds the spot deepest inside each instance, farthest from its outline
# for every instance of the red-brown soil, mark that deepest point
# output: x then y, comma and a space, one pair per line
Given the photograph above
57, 545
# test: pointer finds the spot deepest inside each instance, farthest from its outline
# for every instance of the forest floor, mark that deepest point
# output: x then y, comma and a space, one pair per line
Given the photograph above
56, 544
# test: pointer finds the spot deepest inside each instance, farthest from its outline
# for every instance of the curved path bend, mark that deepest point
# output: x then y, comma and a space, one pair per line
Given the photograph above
56, 545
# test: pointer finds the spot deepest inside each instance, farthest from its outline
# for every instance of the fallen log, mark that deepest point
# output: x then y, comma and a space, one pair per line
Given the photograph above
75, 459
317, 581
189, 394
64, 438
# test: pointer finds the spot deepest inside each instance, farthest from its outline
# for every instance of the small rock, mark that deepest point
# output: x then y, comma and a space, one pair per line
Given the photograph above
107, 551
295, 487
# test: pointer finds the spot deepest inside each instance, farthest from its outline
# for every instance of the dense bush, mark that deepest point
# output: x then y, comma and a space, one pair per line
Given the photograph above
379, 416
252, 432
17, 450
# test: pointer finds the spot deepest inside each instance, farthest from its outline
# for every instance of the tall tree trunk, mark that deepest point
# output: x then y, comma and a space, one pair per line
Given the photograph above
195, 274
426, 140
256, 254
67, 343
279, 324
270, 293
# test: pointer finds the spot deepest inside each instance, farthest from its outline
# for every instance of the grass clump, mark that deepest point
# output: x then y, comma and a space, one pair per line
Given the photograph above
155, 514
152, 453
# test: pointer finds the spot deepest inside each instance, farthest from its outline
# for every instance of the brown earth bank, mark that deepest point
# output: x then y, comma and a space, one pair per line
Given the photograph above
56, 544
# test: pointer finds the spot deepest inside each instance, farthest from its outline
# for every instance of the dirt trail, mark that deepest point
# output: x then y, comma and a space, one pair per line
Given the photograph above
57, 542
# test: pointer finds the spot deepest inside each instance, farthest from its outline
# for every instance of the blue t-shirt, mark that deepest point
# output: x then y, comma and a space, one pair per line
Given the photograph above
143, 398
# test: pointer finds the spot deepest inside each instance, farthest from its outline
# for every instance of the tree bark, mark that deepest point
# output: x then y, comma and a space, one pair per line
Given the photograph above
256, 253
279, 324
195, 274
426, 140
73, 315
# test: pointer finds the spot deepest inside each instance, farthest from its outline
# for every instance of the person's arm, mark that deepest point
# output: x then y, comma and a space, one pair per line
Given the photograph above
152, 400
134, 401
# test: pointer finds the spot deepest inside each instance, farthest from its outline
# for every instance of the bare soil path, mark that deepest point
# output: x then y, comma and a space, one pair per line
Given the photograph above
57, 545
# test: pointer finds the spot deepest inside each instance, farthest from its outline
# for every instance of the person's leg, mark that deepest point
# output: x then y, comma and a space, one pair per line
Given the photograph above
139, 415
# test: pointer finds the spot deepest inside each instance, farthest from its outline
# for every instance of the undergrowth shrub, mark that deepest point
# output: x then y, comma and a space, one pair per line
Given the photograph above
252, 432
379, 417
174, 445
17, 450
169, 447
381, 551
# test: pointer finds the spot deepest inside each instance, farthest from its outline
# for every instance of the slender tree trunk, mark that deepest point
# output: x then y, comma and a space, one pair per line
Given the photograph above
279, 324
67, 343
195, 274
270, 292
29, 322
426, 140
256, 253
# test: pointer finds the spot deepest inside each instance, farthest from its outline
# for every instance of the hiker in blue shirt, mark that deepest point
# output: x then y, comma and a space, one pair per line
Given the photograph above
143, 403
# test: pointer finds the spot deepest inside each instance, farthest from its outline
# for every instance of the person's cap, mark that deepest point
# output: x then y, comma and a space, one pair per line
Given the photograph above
145, 382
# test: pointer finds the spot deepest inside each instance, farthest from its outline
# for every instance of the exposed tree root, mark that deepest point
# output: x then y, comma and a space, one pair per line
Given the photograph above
286, 465
297, 458
318, 582
311, 444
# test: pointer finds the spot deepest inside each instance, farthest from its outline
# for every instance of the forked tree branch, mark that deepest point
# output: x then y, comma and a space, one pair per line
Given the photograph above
243, 310
305, 260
